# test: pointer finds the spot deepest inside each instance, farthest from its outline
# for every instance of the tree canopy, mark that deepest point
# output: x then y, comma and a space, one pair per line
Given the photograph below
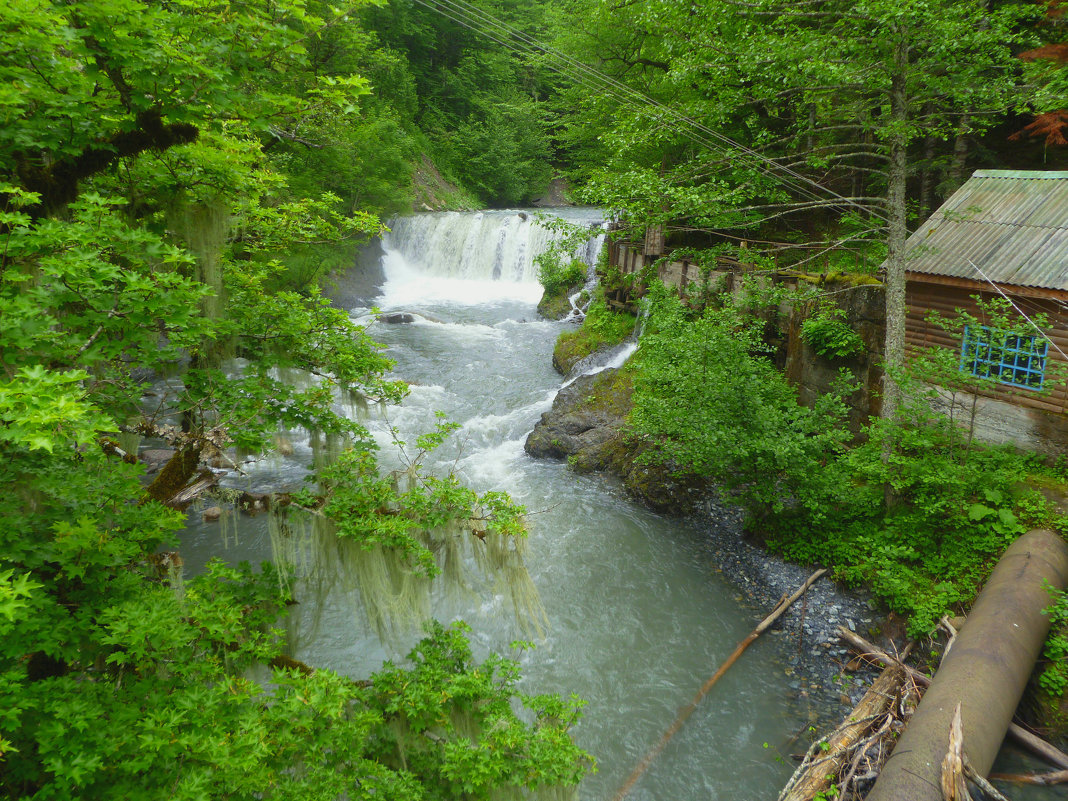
167, 201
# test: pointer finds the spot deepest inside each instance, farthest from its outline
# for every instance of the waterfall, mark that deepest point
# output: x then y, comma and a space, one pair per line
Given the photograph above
497, 246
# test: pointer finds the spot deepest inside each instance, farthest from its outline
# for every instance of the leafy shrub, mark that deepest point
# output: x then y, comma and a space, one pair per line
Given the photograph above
716, 409
556, 273
828, 335
1054, 678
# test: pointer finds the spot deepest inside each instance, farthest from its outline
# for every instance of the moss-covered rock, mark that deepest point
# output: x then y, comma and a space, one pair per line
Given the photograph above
555, 305
600, 330
587, 416
587, 427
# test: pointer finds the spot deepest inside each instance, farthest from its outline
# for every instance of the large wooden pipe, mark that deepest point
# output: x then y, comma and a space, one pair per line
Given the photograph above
986, 671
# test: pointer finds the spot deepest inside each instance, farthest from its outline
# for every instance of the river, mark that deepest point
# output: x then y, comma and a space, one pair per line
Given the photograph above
638, 615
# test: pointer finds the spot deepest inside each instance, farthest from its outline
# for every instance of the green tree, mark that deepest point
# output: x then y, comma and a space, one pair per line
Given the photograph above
713, 406
836, 107
143, 223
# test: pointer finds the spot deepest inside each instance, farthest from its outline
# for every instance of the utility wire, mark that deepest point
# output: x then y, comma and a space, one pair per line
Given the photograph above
477, 19
628, 92
464, 14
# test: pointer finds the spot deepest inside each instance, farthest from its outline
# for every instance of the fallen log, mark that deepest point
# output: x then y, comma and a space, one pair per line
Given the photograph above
1021, 736
986, 671
1041, 779
684, 713
815, 776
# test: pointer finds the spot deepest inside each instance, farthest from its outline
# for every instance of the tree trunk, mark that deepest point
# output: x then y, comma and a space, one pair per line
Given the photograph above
961, 146
928, 175
897, 222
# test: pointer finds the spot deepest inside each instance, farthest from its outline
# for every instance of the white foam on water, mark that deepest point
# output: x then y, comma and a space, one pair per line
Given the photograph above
408, 285
614, 363
467, 330
497, 467
492, 425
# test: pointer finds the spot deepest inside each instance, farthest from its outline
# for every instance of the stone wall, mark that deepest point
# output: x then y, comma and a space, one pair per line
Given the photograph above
816, 375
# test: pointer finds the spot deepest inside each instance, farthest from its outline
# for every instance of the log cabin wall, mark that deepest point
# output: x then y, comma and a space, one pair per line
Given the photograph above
1035, 420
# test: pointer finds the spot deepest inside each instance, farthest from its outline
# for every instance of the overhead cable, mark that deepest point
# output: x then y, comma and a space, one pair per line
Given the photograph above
477, 20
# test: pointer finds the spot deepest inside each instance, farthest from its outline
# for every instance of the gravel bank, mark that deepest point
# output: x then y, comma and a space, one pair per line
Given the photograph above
812, 652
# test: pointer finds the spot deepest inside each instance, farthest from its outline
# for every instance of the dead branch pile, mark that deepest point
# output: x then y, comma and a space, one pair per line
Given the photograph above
844, 764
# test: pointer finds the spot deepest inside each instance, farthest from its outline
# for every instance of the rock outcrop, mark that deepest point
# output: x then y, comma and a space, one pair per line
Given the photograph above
587, 427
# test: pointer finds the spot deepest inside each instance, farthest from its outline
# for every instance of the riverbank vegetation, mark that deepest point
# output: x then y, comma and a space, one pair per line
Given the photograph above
813, 141
174, 181
914, 509
601, 328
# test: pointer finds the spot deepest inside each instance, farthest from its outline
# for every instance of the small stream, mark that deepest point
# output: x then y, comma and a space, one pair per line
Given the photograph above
638, 615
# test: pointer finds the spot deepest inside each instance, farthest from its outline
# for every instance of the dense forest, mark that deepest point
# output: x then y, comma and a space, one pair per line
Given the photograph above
178, 181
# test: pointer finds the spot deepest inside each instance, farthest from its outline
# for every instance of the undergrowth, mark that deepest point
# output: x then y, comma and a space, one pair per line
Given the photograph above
920, 529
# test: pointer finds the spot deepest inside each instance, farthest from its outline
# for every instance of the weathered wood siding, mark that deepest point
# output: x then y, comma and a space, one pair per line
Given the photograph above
922, 298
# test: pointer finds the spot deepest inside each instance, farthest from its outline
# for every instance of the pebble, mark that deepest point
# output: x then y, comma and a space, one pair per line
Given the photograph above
762, 579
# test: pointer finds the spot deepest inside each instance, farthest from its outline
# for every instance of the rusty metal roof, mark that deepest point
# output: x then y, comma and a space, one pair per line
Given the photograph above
1010, 224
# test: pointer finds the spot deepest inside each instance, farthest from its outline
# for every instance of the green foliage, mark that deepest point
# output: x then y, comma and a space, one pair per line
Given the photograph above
375, 509
601, 328
454, 726
41, 409
557, 275
480, 111
1054, 677
714, 407
827, 334
956, 505
159, 211
811, 90
557, 269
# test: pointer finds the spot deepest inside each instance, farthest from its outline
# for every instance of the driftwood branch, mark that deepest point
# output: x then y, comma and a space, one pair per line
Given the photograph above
979, 780
815, 776
784, 603
1033, 743
1041, 779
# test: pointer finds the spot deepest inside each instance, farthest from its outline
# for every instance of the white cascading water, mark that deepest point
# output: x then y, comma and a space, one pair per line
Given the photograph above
470, 257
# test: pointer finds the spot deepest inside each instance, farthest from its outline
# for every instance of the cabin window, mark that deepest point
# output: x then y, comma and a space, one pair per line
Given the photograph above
1008, 358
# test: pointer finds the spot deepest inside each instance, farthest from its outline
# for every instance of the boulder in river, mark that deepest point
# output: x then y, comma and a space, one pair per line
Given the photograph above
396, 317
586, 426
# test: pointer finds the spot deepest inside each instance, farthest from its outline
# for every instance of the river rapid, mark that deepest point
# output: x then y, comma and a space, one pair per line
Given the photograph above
639, 616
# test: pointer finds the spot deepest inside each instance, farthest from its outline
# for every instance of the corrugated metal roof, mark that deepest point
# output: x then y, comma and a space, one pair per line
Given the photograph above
1011, 224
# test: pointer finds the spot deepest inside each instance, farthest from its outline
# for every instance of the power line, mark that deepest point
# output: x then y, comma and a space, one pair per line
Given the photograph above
633, 94
474, 18
463, 14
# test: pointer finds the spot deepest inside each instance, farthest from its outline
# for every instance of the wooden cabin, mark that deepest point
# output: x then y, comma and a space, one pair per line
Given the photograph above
1004, 233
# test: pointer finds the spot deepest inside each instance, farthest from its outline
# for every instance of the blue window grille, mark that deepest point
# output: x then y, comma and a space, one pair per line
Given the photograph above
1019, 361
